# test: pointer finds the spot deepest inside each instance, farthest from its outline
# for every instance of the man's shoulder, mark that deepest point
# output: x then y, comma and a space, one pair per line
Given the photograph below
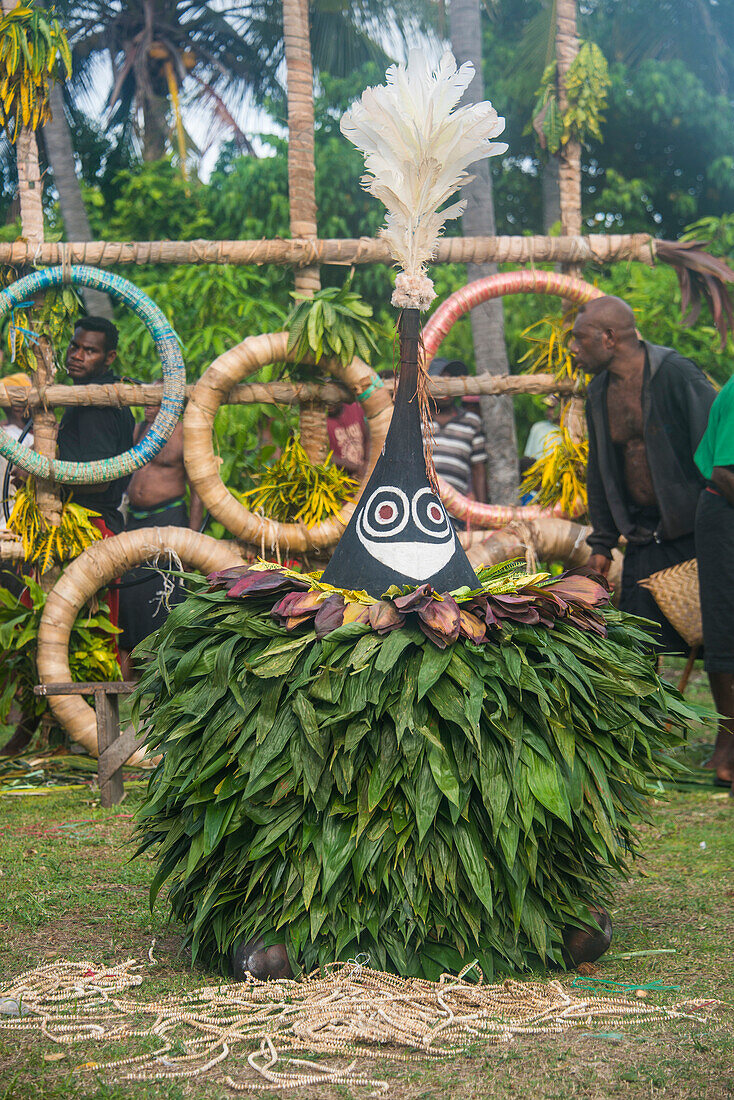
670, 361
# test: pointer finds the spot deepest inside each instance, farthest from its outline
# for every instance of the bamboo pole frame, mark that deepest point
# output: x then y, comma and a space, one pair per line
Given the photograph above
595, 248
126, 394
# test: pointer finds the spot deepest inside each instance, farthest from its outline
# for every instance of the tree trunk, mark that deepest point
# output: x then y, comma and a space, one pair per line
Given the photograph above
301, 166
567, 46
302, 186
60, 153
487, 320
155, 123
569, 180
30, 189
551, 193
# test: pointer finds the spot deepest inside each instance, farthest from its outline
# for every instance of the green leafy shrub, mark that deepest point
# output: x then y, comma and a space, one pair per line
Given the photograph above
380, 794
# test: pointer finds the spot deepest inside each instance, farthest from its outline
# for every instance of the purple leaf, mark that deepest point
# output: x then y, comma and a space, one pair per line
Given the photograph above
440, 620
384, 617
576, 588
329, 616
414, 601
481, 607
296, 607
225, 578
264, 580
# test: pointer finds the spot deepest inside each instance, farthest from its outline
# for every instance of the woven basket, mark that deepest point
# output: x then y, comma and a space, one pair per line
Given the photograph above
675, 591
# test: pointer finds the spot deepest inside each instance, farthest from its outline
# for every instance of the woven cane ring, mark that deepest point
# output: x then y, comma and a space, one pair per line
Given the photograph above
202, 465
82, 578
439, 326
174, 380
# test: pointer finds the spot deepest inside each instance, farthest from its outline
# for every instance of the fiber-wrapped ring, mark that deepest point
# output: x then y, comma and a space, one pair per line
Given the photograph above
174, 380
438, 327
202, 466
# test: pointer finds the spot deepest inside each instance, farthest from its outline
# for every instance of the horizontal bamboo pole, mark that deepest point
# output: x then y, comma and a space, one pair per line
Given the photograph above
593, 248
274, 393
11, 548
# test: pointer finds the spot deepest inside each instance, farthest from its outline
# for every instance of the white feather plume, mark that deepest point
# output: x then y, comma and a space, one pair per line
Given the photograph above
416, 148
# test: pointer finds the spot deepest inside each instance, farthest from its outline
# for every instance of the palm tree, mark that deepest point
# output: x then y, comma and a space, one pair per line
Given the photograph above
60, 155
569, 165
301, 166
158, 50
487, 320
163, 50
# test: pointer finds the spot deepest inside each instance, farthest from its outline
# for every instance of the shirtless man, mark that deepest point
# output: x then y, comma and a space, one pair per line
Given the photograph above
647, 408
157, 496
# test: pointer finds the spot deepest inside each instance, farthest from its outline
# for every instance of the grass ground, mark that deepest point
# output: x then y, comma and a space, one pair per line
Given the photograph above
69, 890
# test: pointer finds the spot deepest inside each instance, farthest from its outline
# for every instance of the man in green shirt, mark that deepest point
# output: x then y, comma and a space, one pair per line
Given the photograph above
715, 553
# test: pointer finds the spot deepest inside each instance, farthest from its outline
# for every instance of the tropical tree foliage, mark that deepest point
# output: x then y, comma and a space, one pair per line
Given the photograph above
34, 53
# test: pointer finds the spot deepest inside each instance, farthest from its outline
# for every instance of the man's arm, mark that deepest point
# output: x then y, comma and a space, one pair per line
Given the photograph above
723, 479
604, 532
479, 482
479, 463
196, 509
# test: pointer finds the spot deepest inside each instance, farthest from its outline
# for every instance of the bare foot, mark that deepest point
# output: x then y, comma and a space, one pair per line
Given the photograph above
586, 944
260, 961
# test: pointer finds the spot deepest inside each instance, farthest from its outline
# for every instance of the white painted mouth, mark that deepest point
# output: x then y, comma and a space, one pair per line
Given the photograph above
417, 560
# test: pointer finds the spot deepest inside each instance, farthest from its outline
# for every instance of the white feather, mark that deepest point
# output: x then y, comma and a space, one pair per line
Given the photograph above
417, 146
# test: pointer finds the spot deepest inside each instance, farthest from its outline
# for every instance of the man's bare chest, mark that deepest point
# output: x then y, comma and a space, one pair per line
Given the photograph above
624, 409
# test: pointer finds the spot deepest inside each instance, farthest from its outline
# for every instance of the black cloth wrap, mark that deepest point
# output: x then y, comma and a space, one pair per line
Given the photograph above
715, 553
643, 558
140, 609
87, 433
676, 401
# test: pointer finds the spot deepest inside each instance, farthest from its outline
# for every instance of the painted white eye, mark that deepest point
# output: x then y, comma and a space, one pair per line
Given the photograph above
386, 512
429, 515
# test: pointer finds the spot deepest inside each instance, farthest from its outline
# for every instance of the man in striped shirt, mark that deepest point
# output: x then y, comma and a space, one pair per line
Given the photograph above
459, 449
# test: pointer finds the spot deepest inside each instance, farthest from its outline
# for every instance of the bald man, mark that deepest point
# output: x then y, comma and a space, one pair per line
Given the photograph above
647, 408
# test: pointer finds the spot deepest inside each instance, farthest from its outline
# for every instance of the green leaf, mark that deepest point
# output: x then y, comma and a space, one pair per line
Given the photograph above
443, 774
427, 798
433, 665
545, 783
472, 857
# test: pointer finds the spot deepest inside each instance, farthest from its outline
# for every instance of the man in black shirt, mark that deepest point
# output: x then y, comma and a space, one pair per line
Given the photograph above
88, 433
646, 409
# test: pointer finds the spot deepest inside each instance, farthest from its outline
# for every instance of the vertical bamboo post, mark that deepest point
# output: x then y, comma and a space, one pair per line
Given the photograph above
569, 177
302, 186
567, 46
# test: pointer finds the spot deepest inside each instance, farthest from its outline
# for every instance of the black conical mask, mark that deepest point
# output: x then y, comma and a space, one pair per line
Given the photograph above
400, 532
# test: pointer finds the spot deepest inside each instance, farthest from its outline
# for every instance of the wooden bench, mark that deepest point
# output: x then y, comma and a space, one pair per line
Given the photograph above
114, 749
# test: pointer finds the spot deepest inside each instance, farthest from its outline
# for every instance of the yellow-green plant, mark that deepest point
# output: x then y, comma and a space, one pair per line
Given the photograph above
559, 476
51, 319
587, 85
34, 54
292, 489
42, 542
550, 338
